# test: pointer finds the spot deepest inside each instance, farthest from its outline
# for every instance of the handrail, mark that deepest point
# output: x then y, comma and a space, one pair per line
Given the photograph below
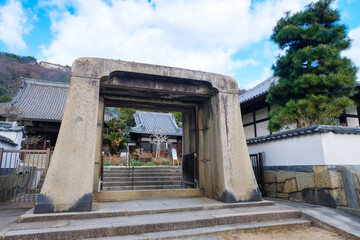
132, 175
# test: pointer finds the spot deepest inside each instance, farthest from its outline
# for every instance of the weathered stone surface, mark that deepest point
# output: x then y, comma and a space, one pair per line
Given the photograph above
305, 180
348, 186
280, 187
290, 186
282, 195
270, 177
319, 197
270, 189
339, 196
328, 179
356, 177
296, 196
319, 168
283, 176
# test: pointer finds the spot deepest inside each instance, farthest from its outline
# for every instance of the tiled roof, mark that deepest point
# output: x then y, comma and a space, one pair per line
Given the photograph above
152, 122
110, 115
40, 100
7, 140
262, 89
305, 131
258, 90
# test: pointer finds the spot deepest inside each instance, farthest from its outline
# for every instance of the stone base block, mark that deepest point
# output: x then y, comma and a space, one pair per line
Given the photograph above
45, 205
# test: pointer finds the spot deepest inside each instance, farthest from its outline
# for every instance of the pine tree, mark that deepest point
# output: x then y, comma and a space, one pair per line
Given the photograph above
315, 81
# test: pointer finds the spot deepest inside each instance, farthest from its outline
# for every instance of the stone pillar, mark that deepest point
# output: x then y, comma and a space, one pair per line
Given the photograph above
99, 137
69, 182
231, 173
189, 140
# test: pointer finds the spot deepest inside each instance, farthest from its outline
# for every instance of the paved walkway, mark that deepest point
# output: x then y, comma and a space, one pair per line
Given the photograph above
326, 217
9, 216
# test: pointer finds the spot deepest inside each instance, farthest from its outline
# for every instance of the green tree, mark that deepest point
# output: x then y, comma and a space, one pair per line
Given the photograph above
315, 81
4, 95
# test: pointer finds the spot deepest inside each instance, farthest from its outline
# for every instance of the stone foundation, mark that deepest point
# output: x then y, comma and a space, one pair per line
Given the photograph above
323, 185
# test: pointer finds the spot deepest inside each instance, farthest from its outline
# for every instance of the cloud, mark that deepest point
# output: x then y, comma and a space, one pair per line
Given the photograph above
354, 52
201, 35
266, 73
13, 25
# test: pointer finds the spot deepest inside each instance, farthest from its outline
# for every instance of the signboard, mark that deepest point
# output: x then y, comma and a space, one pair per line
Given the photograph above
174, 154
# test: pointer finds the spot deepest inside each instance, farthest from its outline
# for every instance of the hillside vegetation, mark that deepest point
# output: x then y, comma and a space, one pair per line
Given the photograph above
12, 67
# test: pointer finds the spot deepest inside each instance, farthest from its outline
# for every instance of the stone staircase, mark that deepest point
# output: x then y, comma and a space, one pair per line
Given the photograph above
157, 219
141, 178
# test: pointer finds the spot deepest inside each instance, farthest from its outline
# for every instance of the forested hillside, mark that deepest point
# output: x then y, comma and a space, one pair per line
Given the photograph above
12, 67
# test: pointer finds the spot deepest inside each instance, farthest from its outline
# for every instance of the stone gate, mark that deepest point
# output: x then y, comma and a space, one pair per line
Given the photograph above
212, 128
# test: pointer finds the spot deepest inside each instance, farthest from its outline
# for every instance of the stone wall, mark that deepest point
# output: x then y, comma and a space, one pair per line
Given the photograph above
321, 185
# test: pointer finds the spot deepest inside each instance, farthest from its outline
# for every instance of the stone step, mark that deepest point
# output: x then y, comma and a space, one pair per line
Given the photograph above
116, 209
142, 174
147, 223
137, 179
210, 231
140, 187
149, 194
148, 170
141, 183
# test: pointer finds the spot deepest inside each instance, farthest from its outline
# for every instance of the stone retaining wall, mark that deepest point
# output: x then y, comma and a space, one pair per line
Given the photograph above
321, 185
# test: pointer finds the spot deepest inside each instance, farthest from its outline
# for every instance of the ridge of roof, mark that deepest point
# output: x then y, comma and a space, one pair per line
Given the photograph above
7, 140
44, 82
305, 131
260, 89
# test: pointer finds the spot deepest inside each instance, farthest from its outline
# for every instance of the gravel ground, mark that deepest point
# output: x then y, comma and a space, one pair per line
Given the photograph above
311, 233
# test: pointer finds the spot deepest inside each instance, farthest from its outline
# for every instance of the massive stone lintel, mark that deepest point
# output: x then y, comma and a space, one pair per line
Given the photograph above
212, 128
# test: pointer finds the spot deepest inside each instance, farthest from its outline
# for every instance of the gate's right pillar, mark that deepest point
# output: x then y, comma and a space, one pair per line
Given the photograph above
225, 169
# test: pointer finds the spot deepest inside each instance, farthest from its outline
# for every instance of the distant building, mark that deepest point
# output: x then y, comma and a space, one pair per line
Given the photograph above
40, 104
10, 138
146, 124
49, 65
255, 110
10, 135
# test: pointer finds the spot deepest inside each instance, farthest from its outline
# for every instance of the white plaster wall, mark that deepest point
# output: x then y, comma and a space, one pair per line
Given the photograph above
247, 118
352, 122
341, 149
314, 149
302, 150
262, 129
249, 131
261, 114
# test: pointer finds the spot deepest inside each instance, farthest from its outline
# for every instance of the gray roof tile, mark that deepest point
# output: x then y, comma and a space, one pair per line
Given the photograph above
258, 90
304, 131
40, 100
7, 140
153, 122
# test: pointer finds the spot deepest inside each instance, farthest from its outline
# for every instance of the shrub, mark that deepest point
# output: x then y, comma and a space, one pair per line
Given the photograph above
164, 163
106, 164
137, 163
149, 164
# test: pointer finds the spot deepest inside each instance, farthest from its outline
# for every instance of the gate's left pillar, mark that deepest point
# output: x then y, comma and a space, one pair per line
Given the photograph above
69, 182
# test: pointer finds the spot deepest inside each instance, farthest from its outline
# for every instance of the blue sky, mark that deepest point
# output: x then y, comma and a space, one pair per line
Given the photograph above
223, 36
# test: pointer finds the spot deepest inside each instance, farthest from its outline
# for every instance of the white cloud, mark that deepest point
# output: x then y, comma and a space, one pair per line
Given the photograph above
266, 73
354, 52
13, 24
203, 35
